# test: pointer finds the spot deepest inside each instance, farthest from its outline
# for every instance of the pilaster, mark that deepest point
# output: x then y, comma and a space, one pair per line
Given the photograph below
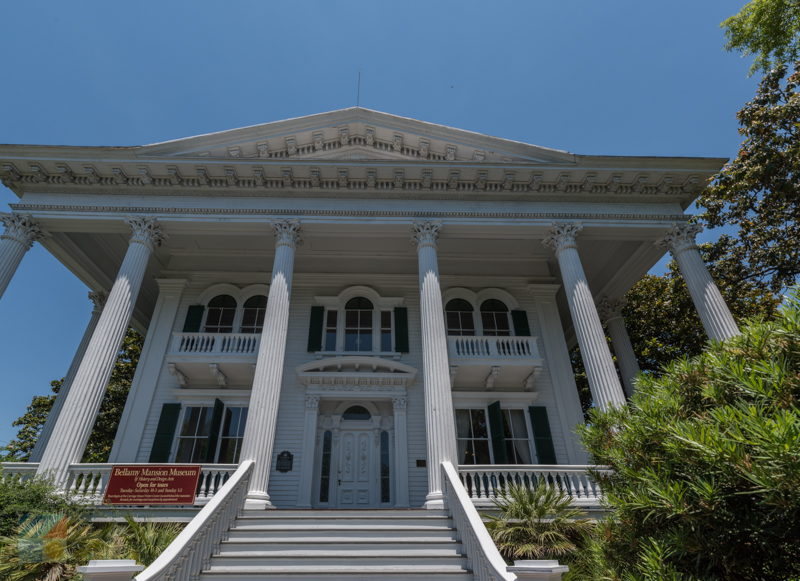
127, 442
304, 488
399, 405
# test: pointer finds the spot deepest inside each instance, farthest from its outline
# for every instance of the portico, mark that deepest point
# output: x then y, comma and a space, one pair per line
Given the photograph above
291, 323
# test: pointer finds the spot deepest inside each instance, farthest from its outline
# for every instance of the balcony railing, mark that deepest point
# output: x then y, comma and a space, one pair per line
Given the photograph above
485, 347
484, 483
87, 482
215, 343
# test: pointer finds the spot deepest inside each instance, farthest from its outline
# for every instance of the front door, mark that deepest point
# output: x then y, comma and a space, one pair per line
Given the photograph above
357, 474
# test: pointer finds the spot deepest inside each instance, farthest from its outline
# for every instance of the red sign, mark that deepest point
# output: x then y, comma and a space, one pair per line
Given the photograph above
152, 484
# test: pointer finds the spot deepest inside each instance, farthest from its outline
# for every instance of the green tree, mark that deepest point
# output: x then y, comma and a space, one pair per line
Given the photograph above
705, 479
759, 192
105, 427
767, 29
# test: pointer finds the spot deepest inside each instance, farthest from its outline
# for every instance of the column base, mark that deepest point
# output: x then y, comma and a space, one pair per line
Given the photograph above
434, 501
258, 501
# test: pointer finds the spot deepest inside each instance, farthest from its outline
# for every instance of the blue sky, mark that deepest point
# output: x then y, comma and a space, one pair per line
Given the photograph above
617, 77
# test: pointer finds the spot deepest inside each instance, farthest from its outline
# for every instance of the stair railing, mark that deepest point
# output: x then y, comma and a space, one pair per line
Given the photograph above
484, 559
192, 549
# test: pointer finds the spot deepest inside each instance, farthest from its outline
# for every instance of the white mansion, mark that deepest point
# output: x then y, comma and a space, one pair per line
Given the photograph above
345, 309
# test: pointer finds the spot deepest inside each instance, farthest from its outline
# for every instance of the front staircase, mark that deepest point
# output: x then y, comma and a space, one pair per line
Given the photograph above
334, 545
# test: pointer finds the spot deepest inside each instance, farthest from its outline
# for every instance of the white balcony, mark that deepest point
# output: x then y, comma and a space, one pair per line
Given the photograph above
484, 362
213, 359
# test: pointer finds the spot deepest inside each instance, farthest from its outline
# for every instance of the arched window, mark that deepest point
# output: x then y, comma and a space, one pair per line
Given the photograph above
494, 317
356, 412
221, 312
358, 325
253, 314
460, 320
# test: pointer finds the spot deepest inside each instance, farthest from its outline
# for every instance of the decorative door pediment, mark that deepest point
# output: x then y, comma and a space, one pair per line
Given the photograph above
357, 374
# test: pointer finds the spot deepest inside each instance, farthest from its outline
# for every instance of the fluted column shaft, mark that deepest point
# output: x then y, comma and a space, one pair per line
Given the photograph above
21, 231
439, 421
611, 313
259, 435
603, 381
711, 307
98, 300
74, 424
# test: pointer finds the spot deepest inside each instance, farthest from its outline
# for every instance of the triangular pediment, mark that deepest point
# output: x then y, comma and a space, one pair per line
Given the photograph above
354, 134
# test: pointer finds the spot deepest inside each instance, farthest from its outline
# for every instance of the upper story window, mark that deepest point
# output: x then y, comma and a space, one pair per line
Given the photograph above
253, 314
460, 320
221, 313
494, 318
359, 320
358, 324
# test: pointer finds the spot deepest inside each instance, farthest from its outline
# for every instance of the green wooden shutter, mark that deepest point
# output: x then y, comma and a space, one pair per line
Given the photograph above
401, 329
542, 438
315, 329
194, 316
165, 432
520, 320
497, 433
213, 434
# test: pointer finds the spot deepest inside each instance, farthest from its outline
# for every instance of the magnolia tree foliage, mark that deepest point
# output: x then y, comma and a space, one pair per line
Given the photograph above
105, 428
759, 192
705, 480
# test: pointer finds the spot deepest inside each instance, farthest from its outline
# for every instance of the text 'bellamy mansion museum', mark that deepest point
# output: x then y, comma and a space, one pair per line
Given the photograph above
351, 309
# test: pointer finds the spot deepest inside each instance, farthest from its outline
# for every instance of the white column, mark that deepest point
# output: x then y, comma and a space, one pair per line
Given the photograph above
559, 366
717, 319
74, 424
127, 443
259, 435
21, 231
611, 312
439, 421
309, 447
98, 300
603, 381
400, 452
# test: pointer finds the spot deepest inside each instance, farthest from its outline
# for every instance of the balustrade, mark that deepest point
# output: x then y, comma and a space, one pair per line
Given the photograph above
485, 483
215, 343
87, 482
486, 347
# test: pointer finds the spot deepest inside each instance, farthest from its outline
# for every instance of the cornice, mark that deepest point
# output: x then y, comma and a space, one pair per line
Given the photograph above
342, 177
382, 213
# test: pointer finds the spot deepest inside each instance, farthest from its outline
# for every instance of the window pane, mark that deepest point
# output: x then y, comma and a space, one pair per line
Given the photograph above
462, 424
479, 424
518, 425
227, 448
242, 422
184, 453
200, 447
482, 452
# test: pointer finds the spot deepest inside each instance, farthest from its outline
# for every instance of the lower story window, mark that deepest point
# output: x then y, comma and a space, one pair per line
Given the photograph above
472, 435
199, 427
515, 431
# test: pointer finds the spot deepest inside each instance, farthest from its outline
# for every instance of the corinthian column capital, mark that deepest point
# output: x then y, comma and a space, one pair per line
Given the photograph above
146, 230
425, 233
287, 233
21, 228
609, 309
681, 237
98, 300
562, 235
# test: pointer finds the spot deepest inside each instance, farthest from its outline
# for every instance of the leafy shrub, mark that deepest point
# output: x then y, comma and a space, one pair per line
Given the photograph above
705, 480
20, 499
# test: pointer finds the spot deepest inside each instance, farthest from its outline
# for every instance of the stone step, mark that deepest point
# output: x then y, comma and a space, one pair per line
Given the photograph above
326, 561
330, 513
342, 535
290, 525
344, 521
350, 573
365, 545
